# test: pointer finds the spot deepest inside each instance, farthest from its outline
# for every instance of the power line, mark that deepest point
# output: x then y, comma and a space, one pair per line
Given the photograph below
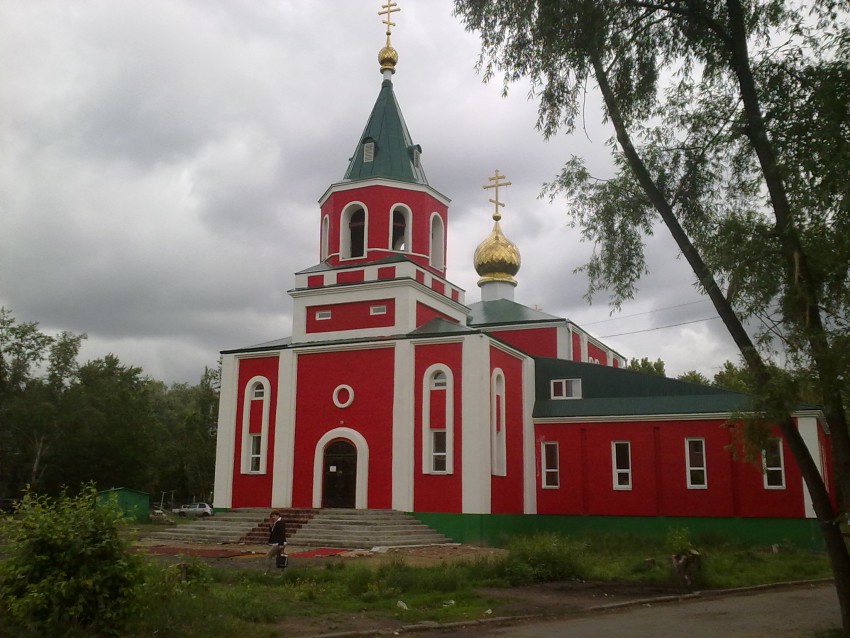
647, 312
672, 325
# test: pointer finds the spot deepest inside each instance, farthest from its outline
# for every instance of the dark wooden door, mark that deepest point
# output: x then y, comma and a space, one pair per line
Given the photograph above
339, 476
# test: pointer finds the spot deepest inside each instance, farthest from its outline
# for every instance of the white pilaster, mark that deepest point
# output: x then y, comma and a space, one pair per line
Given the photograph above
403, 420
808, 427
283, 456
475, 426
529, 447
225, 445
564, 342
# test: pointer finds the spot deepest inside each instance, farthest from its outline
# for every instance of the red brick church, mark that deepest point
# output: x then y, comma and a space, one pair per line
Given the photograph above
480, 417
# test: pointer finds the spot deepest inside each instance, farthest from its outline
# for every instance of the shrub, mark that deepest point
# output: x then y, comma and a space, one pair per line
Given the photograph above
66, 566
546, 557
678, 540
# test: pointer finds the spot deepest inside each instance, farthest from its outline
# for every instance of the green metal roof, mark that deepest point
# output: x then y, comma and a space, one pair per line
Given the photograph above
439, 326
325, 267
395, 155
505, 311
607, 391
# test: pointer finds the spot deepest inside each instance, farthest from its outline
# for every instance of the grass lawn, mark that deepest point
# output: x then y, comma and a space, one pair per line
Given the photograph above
197, 599
221, 602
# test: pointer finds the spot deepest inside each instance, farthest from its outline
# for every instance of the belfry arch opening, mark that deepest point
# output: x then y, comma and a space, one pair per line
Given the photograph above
438, 238
353, 233
400, 230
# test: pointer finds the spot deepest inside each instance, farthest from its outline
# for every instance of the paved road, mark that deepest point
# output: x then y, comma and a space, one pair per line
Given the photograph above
793, 612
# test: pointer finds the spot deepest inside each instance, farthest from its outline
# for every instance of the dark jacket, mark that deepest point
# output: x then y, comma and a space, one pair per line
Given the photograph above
277, 533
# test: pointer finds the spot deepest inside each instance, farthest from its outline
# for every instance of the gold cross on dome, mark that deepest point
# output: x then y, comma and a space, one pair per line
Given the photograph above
496, 183
388, 9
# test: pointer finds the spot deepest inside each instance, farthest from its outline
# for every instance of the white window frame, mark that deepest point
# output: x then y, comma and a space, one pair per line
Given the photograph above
565, 389
547, 471
369, 151
433, 381
247, 466
690, 468
325, 247
378, 310
780, 469
437, 241
437, 454
408, 216
345, 230
616, 471
255, 447
323, 315
498, 445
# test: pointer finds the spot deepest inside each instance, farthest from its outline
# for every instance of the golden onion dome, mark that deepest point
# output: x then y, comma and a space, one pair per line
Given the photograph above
387, 58
497, 258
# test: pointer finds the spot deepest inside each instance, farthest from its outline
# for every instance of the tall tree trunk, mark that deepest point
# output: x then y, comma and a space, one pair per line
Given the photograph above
803, 288
824, 510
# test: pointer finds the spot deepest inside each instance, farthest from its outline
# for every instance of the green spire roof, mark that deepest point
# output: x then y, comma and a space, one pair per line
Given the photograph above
392, 154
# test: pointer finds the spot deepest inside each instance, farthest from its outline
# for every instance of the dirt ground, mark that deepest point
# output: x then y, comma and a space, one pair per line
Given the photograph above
551, 599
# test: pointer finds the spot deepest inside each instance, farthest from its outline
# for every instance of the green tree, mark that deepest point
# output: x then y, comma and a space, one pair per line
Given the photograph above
645, 365
191, 415
732, 128
693, 376
110, 432
733, 377
29, 403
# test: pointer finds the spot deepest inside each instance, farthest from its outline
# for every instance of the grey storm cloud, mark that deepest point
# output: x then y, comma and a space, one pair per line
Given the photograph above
163, 160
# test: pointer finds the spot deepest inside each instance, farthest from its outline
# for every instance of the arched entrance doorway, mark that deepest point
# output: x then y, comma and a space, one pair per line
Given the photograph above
339, 474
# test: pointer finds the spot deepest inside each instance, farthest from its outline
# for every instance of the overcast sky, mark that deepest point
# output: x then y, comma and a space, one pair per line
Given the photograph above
161, 162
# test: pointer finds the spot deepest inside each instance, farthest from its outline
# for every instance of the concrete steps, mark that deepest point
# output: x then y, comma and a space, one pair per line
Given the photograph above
224, 527
365, 529
293, 519
344, 528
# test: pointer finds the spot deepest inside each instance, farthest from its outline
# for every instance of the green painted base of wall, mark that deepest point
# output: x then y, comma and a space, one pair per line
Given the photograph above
495, 530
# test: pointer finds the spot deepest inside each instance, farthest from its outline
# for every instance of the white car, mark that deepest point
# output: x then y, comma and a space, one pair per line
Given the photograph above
195, 509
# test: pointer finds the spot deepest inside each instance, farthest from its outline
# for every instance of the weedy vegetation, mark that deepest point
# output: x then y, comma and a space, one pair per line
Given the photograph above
67, 569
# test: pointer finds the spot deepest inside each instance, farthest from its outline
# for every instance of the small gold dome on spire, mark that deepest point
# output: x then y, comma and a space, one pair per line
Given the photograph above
497, 258
388, 57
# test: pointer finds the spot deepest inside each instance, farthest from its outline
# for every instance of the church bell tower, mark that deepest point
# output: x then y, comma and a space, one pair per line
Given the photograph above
382, 248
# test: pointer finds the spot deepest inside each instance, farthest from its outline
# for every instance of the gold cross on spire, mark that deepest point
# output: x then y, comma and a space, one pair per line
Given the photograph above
388, 9
496, 183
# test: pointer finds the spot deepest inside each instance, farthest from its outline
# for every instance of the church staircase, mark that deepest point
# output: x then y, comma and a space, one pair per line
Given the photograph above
293, 519
245, 525
364, 529
341, 528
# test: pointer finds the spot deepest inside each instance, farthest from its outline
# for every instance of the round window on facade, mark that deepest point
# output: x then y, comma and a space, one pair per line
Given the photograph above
343, 396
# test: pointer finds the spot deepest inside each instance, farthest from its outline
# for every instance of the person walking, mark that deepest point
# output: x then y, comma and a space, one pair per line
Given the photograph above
277, 540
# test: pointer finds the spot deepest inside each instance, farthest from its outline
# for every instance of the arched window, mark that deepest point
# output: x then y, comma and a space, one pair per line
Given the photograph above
400, 229
325, 237
437, 421
352, 242
438, 236
497, 424
255, 426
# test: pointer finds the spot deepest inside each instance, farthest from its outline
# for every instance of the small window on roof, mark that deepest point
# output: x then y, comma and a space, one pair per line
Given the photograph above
415, 151
368, 151
566, 388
